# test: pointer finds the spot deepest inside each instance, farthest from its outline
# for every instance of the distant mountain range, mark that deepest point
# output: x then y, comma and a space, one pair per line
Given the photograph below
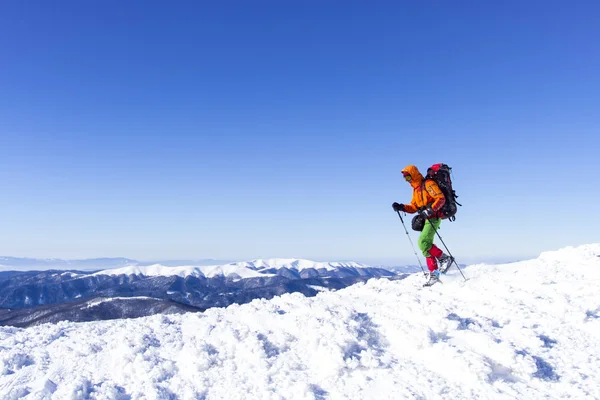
97, 264
21, 264
33, 297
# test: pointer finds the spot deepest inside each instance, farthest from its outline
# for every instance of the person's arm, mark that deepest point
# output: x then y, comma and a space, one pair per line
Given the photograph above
411, 208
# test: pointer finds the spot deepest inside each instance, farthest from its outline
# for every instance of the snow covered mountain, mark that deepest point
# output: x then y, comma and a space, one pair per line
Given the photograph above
296, 268
525, 330
45, 292
209, 271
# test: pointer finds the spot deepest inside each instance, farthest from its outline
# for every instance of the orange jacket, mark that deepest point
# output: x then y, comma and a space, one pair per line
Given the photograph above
425, 192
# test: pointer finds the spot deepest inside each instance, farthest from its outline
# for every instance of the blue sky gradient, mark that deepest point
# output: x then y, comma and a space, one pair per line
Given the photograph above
244, 130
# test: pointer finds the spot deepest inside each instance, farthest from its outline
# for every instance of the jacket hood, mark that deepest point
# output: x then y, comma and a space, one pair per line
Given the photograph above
416, 176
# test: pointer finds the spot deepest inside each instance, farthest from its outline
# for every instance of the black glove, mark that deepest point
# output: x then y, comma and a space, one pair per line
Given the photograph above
426, 212
398, 207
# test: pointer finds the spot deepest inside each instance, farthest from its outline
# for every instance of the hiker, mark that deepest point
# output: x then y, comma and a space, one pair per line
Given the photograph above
427, 200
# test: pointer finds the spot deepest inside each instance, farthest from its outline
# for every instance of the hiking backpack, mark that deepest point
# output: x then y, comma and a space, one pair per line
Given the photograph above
440, 174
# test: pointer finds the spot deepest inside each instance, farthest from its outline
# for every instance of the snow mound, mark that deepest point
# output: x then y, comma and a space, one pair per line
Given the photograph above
525, 330
571, 254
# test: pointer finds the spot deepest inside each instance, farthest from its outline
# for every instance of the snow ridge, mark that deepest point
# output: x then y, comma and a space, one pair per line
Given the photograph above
245, 269
209, 271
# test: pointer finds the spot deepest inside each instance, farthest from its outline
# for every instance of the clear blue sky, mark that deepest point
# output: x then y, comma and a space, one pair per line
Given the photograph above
259, 129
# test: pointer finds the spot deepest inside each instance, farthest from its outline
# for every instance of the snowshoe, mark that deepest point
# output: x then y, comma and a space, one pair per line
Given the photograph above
433, 278
445, 263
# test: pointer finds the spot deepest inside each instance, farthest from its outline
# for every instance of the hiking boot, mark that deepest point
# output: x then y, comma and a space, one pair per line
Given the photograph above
445, 262
433, 278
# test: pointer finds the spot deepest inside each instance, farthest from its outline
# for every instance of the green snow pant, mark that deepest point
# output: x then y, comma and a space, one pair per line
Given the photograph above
427, 234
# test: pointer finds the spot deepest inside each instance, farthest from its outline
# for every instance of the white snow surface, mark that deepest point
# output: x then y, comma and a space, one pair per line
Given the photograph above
244, 269
525, 330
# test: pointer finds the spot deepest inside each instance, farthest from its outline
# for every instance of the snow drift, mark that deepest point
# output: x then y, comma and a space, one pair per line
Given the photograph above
523, 330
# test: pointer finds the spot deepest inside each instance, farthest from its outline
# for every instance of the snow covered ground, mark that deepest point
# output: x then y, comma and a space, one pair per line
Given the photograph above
525, 330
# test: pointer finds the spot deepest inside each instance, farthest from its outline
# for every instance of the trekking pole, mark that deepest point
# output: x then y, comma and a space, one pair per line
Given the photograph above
446, 247
412, 245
